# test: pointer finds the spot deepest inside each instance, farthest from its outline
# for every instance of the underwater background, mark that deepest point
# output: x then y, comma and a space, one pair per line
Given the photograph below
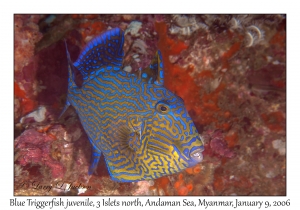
230, 70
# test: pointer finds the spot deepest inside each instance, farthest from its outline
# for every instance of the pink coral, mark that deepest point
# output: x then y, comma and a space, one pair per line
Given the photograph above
35, 148
218, 144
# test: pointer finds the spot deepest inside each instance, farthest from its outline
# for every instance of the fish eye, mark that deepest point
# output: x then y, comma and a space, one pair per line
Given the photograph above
162, 107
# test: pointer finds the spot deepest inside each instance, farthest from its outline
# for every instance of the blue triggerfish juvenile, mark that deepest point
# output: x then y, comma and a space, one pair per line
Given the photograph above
142, 129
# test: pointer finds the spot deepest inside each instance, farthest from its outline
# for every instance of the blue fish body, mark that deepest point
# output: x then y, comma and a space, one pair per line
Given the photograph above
142, 129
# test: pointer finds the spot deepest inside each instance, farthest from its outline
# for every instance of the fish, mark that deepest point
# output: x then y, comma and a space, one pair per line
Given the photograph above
142, 129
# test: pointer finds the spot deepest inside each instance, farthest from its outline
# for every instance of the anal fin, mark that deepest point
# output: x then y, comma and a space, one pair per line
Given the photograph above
96, 154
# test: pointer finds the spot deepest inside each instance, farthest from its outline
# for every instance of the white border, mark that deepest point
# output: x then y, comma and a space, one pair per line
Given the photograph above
154, 6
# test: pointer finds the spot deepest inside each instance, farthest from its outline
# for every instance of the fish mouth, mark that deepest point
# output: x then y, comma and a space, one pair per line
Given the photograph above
196, 155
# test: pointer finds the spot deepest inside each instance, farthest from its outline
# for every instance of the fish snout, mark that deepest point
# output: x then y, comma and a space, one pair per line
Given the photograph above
197, 155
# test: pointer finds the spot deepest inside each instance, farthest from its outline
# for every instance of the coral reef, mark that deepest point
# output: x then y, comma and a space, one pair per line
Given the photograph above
230, 70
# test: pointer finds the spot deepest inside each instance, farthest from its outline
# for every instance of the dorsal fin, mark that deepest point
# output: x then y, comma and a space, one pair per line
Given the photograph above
154, 73
104, 50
